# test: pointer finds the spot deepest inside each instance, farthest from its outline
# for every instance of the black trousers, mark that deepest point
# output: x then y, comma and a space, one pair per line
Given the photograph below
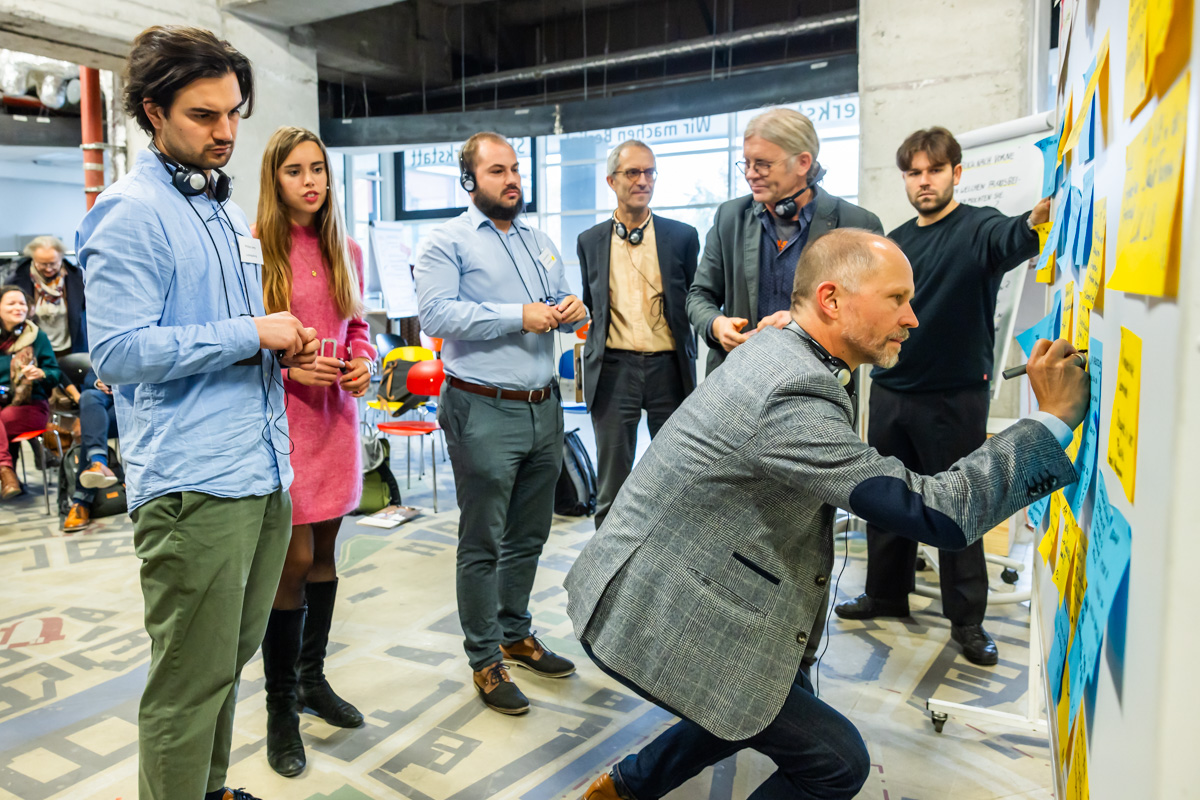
928, 432
629, 382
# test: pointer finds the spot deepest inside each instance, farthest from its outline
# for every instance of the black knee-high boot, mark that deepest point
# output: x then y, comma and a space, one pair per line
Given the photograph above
281, 652
314, 691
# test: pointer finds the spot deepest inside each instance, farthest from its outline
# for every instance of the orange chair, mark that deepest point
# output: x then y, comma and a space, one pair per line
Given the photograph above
583, 332
29, 436
425, 379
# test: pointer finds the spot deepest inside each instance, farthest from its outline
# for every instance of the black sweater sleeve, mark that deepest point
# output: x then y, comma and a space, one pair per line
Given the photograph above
1006, 242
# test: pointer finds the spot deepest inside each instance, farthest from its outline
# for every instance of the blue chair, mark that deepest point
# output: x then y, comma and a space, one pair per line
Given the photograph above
566, 365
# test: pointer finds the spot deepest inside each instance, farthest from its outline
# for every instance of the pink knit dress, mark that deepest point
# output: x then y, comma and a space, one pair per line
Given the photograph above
323, 421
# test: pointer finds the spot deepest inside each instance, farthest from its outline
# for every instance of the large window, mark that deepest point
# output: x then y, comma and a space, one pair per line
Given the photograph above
566, 190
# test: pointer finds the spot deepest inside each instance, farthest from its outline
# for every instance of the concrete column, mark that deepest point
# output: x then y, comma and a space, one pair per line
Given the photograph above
962, 64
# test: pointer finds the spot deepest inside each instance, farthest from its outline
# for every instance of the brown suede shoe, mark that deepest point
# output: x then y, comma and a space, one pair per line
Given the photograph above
498, 691
10, 487
78, 518
602, 788
531, 654
97, 476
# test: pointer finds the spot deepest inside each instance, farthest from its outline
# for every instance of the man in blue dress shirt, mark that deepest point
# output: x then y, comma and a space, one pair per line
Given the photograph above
493, 288
180, 334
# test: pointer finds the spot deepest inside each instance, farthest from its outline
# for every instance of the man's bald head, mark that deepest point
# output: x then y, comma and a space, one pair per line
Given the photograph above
845, 256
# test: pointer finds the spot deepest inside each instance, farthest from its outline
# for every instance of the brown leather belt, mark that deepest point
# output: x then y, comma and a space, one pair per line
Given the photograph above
531, 396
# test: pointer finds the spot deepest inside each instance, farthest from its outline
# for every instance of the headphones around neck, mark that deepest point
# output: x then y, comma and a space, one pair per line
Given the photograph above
192, 182
840, 369
635, 236
466, 178
787, 208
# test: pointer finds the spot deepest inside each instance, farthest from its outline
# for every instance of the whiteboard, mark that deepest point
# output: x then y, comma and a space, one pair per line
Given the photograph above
391, 258
1002, 168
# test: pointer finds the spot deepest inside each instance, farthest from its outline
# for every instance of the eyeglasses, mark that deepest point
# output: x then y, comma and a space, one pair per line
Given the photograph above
48, 264
634, 174
759, 167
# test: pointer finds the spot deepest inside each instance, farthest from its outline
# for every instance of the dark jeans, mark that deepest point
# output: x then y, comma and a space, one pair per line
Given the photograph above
928, 432
819, 753
506, 455
97, 424
628, 383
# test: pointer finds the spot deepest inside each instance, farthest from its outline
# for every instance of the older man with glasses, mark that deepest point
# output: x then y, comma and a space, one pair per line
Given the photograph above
640, 353
56, 287
744, 279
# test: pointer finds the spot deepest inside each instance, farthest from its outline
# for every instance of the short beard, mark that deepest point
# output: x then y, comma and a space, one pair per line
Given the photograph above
494, 209
942, 201
877, 354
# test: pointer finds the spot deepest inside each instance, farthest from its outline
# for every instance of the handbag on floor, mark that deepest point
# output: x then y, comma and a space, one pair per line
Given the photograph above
575, 492
380, 488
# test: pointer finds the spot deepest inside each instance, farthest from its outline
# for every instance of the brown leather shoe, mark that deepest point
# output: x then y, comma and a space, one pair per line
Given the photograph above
498, 691
602, 788
97, 476
10, 487
78, 518
534, 656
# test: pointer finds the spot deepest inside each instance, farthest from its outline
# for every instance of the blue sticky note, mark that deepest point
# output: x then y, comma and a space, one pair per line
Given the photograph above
1083, 237
1049, 148
1074, 663
1085, 461
1058, 650
1062, 217
1089, 633
1046, 328
1067, 256
1037, 511
1111, 562
1044, 256
1087, 139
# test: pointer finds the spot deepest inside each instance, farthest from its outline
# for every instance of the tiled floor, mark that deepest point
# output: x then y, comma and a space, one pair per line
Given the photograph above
73, 658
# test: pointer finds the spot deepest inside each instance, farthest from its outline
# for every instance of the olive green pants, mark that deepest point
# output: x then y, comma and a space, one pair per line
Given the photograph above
210, 568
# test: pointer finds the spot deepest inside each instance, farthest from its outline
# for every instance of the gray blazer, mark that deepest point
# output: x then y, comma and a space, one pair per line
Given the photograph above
706, 581
727, 279
678, 246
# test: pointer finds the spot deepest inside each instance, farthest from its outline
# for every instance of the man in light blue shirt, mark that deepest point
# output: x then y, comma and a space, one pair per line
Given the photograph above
180, 333
492, 287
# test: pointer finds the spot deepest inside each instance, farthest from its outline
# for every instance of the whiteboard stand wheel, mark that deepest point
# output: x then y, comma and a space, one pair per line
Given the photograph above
939, 720
921, 565
1009, 576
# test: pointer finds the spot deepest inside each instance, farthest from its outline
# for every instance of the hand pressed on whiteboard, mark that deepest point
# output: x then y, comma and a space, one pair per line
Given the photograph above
1060, 382
1041, 212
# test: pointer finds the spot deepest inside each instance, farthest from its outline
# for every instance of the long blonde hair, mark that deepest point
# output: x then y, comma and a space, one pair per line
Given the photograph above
274, 228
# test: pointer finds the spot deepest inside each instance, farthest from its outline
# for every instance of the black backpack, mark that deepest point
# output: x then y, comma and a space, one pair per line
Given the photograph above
393, 388
106, 502
575, 492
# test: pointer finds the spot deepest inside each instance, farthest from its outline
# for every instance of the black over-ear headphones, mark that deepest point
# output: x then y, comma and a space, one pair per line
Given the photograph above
840, 369
466, 178
191, 182
786, 208
634, 236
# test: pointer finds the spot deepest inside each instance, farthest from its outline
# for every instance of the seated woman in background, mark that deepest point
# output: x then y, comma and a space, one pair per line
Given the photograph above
28, 372
313, 269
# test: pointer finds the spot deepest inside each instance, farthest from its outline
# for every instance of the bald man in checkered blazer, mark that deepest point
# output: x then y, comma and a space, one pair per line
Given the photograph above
710, 576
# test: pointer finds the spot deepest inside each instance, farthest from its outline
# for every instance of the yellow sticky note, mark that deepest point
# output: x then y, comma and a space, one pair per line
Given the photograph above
1092, 292
1062, 715
1077, 782
1123, 430
1147, 259
1050, 540
1046, 273
1043, 232
1136, 80
1088, 92
1068, 307
1064, 136
1078, 583
1066, 550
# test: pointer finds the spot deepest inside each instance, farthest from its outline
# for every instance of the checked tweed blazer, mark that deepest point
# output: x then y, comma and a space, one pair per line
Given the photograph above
707, 579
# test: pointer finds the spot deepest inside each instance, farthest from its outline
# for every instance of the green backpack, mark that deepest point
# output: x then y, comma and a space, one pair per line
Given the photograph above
380, 488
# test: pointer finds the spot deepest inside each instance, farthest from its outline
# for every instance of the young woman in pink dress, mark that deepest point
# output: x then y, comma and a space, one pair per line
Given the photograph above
314, 270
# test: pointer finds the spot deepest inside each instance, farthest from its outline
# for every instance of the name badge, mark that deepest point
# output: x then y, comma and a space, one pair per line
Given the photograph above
249, 250
546, 258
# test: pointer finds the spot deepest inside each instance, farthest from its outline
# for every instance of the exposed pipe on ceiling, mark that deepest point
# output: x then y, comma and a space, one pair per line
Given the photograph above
765, 33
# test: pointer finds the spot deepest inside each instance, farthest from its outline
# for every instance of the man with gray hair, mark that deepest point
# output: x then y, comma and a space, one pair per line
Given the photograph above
744, 278
56, 288
705, 585
640, 352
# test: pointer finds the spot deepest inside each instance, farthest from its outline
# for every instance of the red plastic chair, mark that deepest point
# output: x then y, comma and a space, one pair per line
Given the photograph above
583, 332
425, 379
29, 436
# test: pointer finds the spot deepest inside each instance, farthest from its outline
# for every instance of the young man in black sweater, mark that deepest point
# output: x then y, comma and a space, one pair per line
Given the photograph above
931, 408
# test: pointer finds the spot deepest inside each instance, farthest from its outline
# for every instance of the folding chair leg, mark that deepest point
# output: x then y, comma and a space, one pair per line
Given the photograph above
408, 460
45, 479
433, 466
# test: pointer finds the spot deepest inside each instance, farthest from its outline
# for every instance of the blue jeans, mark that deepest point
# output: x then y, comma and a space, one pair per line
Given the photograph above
819, 753
97, 424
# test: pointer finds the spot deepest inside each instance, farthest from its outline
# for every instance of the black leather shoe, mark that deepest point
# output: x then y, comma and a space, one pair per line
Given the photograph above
866, 607
534, 656
977, 646
498, 691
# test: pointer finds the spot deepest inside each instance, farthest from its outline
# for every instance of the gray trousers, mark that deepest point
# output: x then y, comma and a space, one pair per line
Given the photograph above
629, 382
506, 455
